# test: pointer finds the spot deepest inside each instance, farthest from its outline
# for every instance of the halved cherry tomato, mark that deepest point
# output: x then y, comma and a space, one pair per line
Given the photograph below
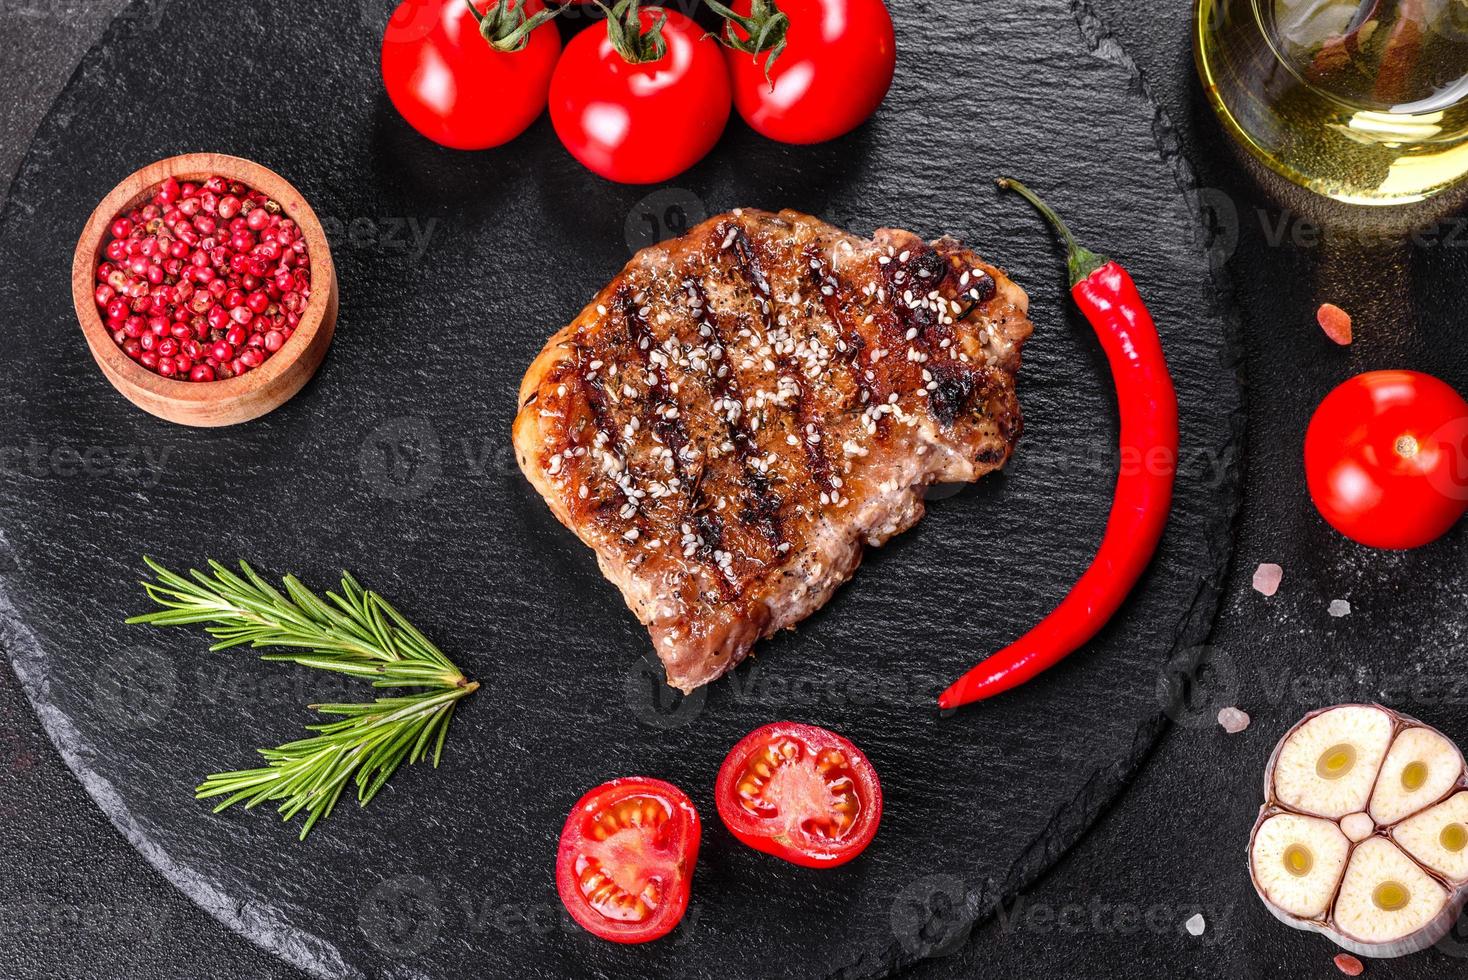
625, 864
832, 73
801, 793
1386, 458
633, 115
460, 88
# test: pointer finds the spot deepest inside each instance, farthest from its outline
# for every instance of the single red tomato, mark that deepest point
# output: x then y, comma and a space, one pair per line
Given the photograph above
1386, 457
634, 115
832, 73
625, 864
460, 88
801, 793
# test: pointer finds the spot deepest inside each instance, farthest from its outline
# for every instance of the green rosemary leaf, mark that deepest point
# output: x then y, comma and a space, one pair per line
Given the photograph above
443, 733
355, 632
325, 663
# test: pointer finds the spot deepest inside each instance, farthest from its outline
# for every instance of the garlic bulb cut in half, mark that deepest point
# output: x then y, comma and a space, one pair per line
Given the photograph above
1363, 835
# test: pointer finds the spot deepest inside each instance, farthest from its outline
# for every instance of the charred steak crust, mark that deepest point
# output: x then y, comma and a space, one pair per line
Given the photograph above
742, 409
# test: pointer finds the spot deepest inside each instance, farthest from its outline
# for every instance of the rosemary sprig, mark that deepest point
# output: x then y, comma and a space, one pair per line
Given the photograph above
355, 632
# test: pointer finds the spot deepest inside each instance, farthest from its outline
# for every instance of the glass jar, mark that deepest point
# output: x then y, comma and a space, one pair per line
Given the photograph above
1364, 101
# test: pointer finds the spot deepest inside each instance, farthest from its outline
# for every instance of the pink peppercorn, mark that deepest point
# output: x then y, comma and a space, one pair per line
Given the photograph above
202, 270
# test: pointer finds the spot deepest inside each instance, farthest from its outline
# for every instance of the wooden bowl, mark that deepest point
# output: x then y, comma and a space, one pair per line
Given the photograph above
208, 403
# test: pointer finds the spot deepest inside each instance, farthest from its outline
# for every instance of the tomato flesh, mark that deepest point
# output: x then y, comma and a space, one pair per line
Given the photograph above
624, 868
801, 793
452, 86
1386, 458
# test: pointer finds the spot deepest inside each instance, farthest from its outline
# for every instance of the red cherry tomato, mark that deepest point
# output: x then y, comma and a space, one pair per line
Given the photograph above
644, 122
1386, 457
456, 88
833, 73
625, 863
801, 793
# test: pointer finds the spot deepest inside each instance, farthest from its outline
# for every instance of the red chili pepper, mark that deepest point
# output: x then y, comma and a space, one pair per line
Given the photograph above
1107, 296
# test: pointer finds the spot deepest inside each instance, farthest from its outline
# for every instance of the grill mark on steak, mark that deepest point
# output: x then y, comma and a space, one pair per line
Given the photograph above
808, 429
760, 505
833, 297
958, 390
588, 382
660, 411
722, 381
811, 439
749, 269
668, 426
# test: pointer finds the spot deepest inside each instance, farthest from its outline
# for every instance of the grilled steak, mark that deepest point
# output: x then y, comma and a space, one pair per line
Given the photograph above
742, 409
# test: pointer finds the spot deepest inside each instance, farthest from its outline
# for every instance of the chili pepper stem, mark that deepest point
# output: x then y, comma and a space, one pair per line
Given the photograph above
1080, 260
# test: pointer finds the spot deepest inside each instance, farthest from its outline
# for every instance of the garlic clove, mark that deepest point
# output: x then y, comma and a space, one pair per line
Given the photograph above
1420, 768
1328, 764
1388, 906
1439, 838
1296, 863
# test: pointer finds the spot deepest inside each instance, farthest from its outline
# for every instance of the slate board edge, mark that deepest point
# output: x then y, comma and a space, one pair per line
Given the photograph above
279, 938
1071, 821
1067, 825
24, 651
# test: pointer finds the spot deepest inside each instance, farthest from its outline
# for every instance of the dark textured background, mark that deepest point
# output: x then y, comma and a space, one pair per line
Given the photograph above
86, 905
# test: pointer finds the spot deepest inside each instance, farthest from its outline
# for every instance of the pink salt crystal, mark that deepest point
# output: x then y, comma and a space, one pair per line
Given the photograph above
1267, 578
1336, 323
1233, 720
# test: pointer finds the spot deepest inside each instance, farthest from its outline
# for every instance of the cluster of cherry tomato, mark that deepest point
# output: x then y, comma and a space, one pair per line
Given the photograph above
644, 94
624, 868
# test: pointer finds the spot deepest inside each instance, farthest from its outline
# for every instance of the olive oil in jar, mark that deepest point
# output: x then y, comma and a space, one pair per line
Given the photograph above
1365, 101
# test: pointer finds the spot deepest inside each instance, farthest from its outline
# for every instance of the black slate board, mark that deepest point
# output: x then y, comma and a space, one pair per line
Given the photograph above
395, 463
